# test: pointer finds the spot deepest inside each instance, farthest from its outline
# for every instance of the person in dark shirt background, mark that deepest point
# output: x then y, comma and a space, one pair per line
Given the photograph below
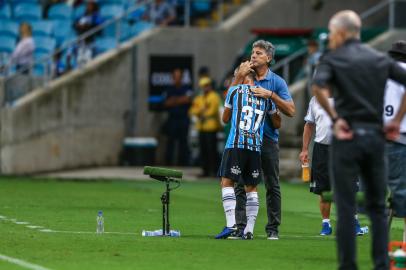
89, 20
357, 75
177, 103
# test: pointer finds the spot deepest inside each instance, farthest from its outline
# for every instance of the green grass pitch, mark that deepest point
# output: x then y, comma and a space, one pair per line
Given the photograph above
70, 207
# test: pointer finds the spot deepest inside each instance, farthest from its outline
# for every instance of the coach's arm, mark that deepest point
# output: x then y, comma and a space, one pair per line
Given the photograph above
287, 107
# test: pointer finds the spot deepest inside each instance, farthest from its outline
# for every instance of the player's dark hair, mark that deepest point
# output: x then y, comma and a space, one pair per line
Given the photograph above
251, 75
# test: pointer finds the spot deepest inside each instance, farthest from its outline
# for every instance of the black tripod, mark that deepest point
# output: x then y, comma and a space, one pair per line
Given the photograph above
165, 199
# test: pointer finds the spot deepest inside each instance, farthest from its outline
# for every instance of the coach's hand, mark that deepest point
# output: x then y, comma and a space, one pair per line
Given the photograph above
392, 130
261, 92
342, 130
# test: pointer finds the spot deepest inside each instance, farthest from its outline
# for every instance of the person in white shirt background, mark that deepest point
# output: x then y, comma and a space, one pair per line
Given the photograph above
318, 120
22, 56
396, 150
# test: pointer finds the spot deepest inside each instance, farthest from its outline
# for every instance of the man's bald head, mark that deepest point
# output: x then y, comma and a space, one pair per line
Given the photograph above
348, 21
343, 25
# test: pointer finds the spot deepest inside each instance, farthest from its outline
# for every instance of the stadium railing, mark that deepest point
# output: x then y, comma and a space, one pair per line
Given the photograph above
388, 6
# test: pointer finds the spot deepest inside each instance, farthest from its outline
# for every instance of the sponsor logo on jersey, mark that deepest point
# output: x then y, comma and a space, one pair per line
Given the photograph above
236, 170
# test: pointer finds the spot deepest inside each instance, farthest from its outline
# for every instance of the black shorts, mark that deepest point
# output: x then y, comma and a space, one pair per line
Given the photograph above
320, 180
241, 165
320, 176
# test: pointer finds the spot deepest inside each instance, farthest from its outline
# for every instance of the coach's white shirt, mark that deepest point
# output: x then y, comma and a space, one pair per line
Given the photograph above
393, 98
318, 116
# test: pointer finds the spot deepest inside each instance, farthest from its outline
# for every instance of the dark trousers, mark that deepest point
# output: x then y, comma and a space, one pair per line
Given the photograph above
209, 156
177, 131
270, 169
363, 155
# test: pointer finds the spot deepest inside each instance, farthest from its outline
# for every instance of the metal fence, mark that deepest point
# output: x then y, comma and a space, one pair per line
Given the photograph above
387, 14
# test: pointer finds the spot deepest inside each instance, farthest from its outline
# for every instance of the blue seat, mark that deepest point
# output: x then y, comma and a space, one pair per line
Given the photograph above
60, 12
201, 6
137, 14
140, 27
111, 10
9, 28
62, 30
16, 2
5, 11
7, 44
110, 30
116, 2
102, 45
79, 11
27, 12
42, 63
42, 28
44, 44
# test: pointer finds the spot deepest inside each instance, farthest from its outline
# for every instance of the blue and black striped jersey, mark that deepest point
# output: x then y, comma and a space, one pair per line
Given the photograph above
247, 120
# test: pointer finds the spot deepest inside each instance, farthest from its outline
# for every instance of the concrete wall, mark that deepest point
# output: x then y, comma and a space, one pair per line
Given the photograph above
76, 122
79, 120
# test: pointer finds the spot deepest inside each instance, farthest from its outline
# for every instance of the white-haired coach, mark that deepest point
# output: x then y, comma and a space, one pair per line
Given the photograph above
357, 74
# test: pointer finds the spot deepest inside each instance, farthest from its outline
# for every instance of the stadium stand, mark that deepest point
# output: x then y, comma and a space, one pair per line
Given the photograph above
5, 12
27, 12
9, 28
109, 11
53, 28
60, 12
7, 44
42, 28
104, 44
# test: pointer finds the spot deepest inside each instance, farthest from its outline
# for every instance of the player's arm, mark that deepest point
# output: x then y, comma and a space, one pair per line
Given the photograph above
307, 135
226, 115
392, 128
228, 105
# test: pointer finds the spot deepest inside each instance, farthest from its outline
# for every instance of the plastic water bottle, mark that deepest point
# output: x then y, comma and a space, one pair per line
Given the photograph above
150, 233
100, 223
399, 257
172, 233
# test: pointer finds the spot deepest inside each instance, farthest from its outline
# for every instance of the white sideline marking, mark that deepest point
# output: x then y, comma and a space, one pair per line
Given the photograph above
46, 230
34, 227
22, 263
83, 232
299, 236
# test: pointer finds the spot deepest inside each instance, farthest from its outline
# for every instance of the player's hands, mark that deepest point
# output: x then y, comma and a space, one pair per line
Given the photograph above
261, 92
304, 156
392, 130
342, 130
